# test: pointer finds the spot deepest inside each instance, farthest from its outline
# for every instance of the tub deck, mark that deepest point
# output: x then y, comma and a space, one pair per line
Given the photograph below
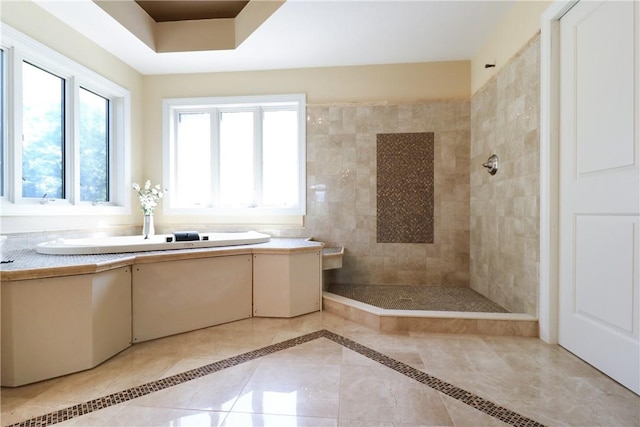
161, 242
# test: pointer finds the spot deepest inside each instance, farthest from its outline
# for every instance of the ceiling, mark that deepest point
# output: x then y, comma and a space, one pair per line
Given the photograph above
185, 10
304, 34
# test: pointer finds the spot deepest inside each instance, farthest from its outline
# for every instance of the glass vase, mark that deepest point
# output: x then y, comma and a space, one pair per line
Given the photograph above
147, 226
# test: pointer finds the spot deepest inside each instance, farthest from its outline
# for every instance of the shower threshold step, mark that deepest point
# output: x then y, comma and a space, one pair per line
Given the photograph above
447, 322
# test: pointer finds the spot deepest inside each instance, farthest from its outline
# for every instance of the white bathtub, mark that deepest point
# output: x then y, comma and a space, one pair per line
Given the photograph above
122, 244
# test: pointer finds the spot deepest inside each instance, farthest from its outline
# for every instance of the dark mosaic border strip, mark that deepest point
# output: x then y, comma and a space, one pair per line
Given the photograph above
477, 402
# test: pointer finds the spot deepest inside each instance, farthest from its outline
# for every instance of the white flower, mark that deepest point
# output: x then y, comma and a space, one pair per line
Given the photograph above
149, 196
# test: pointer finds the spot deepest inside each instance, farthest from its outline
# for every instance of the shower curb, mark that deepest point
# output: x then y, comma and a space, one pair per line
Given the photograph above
449, 322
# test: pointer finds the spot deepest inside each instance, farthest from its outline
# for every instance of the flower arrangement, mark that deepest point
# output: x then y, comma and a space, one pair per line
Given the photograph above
149, 196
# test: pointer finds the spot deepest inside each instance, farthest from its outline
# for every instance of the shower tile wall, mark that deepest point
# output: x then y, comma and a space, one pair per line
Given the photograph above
505, 207
341, 184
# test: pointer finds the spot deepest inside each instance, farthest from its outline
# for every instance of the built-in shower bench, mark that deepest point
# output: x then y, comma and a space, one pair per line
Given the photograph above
67, 313
332, 257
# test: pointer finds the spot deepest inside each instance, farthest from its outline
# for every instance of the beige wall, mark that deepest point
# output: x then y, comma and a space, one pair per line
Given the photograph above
356, 84
505, 207
38, 24
32, 20
520, 24
361, 85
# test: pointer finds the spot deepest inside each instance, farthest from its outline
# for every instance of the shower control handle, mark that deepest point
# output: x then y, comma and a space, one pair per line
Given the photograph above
491, 164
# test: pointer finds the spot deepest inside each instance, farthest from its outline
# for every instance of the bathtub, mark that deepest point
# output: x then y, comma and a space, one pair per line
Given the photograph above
160, 242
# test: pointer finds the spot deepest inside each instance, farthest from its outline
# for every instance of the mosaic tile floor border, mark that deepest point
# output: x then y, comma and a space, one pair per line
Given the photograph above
503, 414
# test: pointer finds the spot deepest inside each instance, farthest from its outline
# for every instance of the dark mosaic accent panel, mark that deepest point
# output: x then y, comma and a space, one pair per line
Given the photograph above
405, 187
464, 396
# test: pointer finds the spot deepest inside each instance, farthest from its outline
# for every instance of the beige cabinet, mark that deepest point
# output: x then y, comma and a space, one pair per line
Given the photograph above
287, 285
178, 296
53, 326
59, 325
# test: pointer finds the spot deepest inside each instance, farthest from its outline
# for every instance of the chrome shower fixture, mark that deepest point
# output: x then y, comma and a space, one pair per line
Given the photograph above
491, 164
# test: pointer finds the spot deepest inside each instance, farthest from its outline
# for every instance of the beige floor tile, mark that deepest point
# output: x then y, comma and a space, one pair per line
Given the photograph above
112, 376
129, 416
303, 402
215, 392
376, 393
322, 383
365, 423
103, 418
240, 419
14, 412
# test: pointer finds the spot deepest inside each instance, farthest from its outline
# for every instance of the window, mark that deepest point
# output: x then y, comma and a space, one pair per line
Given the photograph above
242, 157
94, 146
43, 136
65, 143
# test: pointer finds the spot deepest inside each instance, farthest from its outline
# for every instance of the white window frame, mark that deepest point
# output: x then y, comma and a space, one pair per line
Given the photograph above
224, 215
18, 48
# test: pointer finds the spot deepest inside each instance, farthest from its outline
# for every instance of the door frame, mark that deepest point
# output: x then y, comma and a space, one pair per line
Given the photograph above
549, 296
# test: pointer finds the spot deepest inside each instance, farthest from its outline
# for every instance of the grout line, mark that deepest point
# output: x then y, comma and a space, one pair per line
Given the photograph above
477, 402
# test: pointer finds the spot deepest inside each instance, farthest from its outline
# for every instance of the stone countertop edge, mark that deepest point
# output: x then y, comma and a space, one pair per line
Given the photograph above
28, 264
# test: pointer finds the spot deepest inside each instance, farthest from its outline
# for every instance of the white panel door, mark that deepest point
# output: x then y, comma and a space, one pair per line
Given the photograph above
600, 187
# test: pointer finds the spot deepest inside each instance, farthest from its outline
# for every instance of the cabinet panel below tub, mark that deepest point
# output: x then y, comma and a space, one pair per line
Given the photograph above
179, 296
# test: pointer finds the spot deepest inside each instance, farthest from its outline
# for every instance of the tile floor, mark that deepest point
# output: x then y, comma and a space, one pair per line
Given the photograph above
322, 370
406, 297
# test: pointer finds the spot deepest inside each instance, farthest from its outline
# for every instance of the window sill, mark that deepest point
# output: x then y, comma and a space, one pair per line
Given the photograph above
53, 209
